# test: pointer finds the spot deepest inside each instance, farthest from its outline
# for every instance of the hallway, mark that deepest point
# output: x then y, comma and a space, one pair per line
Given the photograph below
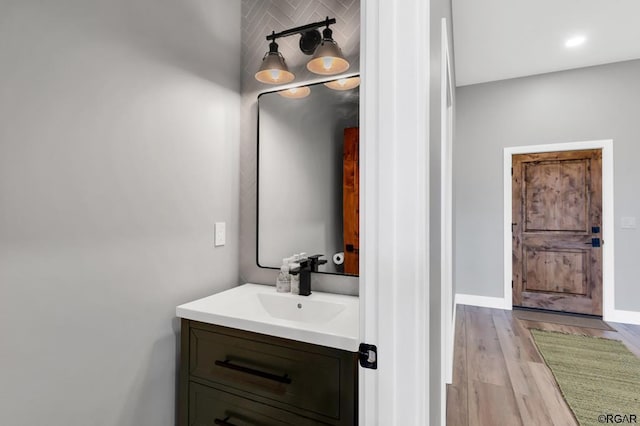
499, 377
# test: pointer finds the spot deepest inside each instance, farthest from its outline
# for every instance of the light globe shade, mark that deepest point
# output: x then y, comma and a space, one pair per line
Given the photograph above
328, 59
274, 70
343, 83
295, 92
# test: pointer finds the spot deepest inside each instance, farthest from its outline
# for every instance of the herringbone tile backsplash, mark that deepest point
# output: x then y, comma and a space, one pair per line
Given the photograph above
260, 18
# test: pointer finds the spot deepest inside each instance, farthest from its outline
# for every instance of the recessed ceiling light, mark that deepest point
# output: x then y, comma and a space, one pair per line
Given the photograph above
575, 41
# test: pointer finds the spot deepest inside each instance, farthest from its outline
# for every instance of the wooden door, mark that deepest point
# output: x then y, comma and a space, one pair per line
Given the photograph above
557, 229
351, 200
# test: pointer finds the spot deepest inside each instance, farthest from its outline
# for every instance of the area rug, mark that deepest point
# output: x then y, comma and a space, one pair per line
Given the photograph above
599, 378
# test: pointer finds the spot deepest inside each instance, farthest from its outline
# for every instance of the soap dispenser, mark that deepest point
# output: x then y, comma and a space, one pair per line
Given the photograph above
283, 282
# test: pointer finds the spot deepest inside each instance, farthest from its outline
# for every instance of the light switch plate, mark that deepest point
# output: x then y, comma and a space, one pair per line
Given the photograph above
220, 234
628, 222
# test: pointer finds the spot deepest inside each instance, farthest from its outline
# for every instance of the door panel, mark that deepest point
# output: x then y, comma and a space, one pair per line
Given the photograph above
557, 202
556, 195
555, 271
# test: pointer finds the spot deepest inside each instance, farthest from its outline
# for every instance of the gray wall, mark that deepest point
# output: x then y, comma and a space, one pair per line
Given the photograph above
439, 9
259, 18
119, 149
300, 179
593, 103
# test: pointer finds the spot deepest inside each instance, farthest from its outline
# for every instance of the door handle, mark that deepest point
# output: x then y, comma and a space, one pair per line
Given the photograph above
595, 242
224, 422
251, 371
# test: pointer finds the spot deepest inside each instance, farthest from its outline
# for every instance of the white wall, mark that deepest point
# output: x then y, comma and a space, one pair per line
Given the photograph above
119, 139
593, 103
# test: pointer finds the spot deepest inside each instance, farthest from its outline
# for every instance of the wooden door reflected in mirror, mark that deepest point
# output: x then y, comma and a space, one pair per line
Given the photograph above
351, 200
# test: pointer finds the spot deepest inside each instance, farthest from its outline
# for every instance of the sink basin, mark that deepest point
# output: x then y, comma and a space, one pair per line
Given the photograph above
284, 306
322, 318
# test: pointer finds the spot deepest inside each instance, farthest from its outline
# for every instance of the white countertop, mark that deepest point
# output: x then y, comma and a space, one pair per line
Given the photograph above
322, 318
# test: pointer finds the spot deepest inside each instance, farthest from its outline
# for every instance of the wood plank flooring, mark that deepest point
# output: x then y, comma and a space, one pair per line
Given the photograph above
499, 378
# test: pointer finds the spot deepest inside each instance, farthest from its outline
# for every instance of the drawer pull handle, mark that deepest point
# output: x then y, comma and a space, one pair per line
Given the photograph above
280, 379
223, 422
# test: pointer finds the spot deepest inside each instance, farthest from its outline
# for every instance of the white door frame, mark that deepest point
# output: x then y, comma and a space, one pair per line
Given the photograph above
446, 217
447, 318
608, 281
394, 221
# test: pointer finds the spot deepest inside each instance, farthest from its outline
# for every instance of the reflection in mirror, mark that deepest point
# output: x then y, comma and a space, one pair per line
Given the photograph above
308, 189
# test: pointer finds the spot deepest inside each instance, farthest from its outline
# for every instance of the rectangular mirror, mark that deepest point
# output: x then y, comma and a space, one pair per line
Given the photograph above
308, 175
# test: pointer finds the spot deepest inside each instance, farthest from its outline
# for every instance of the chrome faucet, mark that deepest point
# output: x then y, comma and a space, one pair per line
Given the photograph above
307, 266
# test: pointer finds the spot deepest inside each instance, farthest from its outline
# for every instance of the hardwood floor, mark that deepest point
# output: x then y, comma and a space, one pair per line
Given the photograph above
499, 377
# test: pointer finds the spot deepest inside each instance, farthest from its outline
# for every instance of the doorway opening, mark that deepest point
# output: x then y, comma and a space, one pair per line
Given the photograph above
556, 231
535, 232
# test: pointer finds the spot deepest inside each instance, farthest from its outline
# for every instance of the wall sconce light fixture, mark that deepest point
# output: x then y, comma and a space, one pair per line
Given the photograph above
274, 69
327, 56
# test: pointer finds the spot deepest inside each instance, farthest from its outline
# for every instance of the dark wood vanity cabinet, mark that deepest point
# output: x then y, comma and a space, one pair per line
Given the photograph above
232, 377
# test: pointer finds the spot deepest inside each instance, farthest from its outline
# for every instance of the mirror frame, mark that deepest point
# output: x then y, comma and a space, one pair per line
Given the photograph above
274, 90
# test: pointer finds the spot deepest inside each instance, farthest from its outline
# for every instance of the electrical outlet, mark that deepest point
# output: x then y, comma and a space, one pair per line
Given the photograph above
628, 222
220, 234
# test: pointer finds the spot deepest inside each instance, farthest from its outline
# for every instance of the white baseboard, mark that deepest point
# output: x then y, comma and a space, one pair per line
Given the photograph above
626, 317
481, 301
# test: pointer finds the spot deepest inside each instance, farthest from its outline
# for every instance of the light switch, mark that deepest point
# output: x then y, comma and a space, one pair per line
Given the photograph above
628, 222
220, 234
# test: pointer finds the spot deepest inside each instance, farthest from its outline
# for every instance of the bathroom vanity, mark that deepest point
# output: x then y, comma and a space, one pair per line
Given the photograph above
251, 356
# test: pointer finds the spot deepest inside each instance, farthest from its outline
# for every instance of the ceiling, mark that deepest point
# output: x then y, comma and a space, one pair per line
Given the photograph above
501, 39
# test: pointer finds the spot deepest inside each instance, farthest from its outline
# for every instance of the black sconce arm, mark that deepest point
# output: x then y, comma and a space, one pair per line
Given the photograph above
301, 30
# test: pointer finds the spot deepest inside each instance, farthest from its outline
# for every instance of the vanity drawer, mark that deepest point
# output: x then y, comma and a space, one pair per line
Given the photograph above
277, 374
209, 407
